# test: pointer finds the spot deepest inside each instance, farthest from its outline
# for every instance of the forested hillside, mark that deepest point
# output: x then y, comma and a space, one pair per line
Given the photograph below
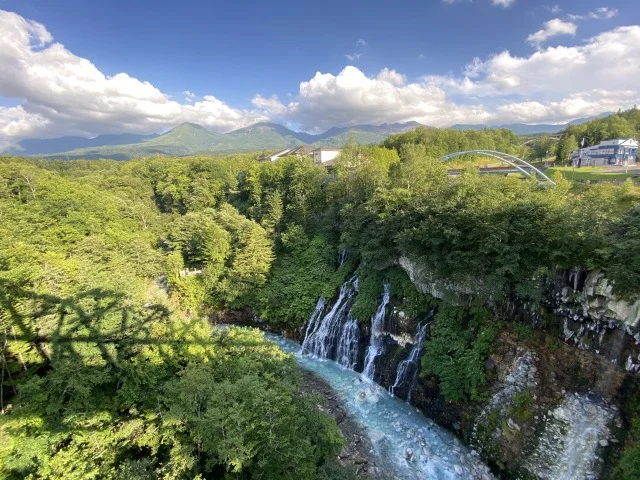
109, 271
621, 125
117, 378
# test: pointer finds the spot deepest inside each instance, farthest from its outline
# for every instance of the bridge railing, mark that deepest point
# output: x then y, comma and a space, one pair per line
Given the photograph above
522, 166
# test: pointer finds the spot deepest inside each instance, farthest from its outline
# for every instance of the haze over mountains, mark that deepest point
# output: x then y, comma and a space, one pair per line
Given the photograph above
191, 139
527, 129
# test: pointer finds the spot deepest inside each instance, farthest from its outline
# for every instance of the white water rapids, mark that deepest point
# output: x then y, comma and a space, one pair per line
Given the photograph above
407, 444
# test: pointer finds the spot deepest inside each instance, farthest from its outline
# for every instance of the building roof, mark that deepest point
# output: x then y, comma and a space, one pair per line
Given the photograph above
327, 149
620, 141
281, 153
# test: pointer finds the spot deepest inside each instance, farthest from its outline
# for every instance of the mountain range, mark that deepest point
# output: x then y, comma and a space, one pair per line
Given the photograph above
191, 139
527, 129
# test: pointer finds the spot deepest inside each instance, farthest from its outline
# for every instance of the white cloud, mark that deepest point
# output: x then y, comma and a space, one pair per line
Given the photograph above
554, 8
67, 94
552, 28
558, 83
601, 13
271, 106
502, 3
64, 94
352, 57
352, 98
495, 3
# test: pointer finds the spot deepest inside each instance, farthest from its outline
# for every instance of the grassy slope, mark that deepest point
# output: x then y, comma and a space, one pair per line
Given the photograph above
595, 173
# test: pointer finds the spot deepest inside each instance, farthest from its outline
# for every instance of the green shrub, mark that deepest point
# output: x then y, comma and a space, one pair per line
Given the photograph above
458, 345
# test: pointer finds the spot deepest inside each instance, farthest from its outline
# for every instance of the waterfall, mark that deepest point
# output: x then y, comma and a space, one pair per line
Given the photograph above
342, 257
347, 355
568, 446
323, 332
412, 363
313, 321
375, 344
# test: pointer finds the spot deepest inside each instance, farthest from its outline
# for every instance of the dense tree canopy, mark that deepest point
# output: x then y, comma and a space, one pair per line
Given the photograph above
108, 368
109, 271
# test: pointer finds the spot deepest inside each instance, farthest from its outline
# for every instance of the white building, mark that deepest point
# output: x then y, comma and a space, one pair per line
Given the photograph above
621, 151
277, 155
325, 155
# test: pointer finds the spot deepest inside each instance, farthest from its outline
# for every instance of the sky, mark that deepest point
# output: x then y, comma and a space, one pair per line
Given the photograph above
70, 67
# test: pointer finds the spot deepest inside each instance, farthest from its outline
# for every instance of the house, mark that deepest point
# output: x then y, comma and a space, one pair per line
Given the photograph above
621, 151
325, 156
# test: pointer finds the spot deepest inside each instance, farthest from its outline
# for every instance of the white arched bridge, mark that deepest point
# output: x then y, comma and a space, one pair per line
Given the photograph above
519, 165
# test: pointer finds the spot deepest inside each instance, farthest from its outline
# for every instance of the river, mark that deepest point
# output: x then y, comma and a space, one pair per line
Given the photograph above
407, 444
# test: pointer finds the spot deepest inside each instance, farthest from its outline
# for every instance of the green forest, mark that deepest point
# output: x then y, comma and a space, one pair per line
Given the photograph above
110, 272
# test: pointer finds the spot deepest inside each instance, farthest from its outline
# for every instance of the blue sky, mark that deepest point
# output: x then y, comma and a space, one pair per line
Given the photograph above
235, 51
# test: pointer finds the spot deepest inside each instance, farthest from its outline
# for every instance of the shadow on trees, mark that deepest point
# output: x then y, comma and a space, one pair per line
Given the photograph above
97, 331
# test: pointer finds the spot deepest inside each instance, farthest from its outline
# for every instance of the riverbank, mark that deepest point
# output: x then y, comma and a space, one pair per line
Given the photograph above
357, 453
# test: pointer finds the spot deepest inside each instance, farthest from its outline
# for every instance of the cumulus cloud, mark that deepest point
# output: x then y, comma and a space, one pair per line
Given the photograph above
272, 106
67, 94
552, 28
352, 98
558, 83
361, 43
63, 94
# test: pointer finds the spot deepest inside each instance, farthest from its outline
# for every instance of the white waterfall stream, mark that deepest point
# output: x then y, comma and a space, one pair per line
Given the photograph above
375, 343
323, 333
347, 354
409, 367
568, 446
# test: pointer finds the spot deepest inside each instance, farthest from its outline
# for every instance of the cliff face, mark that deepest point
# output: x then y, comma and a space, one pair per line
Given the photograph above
551, 411
556, 402
577, 306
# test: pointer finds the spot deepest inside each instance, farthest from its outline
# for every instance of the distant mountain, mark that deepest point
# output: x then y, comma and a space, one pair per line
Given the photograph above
185, 139
265, 136
63, 144
579, 121
527, 129
517, 128
384, 129
190, 139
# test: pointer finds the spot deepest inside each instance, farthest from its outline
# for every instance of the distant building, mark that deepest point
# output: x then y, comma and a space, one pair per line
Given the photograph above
277, 155
621, 151
299, 151
325, 156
